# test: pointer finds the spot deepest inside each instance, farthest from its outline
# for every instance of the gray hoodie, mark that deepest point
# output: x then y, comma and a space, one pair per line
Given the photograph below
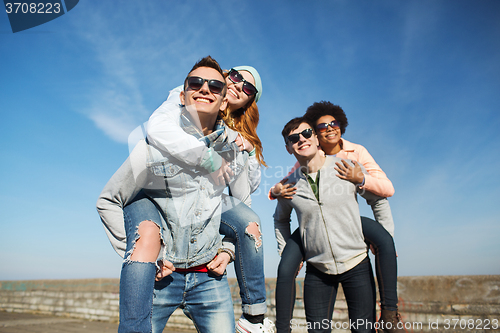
330, 228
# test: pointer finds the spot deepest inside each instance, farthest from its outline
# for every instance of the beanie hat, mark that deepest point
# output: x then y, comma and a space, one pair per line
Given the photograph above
256, 77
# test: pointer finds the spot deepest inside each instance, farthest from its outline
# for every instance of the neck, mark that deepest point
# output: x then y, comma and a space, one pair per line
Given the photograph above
312, 164
207, 122
332, 150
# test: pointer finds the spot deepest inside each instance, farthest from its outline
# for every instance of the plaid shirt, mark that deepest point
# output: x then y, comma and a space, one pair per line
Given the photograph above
218, 139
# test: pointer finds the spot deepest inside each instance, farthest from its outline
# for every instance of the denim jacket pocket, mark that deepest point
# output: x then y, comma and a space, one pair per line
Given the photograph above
164, 169
160, 164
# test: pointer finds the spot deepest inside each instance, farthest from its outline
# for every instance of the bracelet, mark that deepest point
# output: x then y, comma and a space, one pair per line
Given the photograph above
228, 251
362, 183
252, 153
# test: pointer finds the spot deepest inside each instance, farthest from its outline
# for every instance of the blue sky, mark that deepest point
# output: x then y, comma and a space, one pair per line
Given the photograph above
419, 81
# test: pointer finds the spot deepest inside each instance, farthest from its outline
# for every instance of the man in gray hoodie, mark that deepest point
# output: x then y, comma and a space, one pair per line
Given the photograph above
330, 229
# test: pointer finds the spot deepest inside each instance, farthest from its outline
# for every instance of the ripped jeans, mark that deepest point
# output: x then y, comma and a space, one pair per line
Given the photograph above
137, 279
249, 261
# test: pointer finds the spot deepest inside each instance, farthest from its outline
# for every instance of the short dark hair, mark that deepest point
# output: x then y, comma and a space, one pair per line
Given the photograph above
292, 125
324, 108
210, 62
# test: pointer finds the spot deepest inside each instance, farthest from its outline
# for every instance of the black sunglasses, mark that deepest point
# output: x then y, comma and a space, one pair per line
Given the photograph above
236, 77
294, 138
322, 127
196, 82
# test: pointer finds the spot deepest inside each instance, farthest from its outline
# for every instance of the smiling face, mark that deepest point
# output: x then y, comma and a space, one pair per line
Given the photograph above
305, 148
205, 101
329, 138
235, 95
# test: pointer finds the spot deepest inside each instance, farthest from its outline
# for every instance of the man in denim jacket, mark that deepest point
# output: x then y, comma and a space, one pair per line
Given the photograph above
154, 191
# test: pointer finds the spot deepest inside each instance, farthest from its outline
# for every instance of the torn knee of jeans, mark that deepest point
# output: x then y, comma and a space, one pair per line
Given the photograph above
137, 236
253, 230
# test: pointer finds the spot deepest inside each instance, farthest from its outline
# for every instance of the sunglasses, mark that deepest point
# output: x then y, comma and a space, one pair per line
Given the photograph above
323, 127
248, 88
196, 82
294, 138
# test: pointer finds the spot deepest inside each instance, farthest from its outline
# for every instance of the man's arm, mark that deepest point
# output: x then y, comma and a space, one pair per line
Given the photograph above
381, 210
354, 172
224, 257
254, 174
282, 222
376, 180
118, 192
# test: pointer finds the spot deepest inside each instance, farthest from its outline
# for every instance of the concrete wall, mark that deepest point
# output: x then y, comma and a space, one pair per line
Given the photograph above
427, 303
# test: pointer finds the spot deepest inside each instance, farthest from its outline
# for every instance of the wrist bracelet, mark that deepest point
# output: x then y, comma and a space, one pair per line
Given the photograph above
228, 251
362, 183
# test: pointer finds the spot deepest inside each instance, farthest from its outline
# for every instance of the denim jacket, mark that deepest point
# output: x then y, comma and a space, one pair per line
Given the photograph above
189, 199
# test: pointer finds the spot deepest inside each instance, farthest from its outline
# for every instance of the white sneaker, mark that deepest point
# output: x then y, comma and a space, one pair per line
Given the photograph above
244, 326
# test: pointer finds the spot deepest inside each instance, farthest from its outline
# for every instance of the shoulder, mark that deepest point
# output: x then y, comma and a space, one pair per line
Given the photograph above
331, 164
231, 134
294, 176
331, 160
350, 146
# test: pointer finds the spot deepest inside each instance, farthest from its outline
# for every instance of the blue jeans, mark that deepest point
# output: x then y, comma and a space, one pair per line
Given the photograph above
249, 261
291, 257
293, 254
137, 278
320, 292
386, 264
204, 298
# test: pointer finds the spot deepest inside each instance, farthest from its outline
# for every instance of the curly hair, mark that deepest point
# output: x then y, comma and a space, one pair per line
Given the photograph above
324, 108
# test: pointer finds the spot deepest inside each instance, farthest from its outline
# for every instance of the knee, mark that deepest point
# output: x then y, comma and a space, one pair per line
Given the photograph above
253, 230
385, 243
148, 242
286, 271
149, 231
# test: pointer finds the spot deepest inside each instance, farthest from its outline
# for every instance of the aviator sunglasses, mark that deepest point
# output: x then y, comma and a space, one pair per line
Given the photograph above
236, 77
196, 82
324, 126
294, 138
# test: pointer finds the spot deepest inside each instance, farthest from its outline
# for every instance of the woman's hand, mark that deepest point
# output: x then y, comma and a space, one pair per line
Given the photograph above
283, 190
243, 143
219, 263
300, 267
354, 174
222, 176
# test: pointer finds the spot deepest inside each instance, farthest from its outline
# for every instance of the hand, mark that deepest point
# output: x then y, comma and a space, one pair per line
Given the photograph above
286, 191
223, 175
166, 268
243, 143
300, 267
354, 174
218, 264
